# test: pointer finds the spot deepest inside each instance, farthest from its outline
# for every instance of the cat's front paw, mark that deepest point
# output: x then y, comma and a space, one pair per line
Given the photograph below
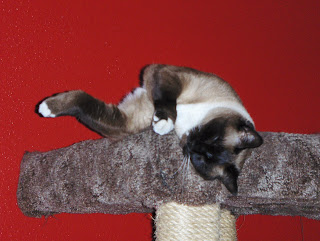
162, 126
44, 110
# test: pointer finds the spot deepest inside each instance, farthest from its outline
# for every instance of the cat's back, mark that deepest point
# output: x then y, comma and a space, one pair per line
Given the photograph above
201, 87
205, 96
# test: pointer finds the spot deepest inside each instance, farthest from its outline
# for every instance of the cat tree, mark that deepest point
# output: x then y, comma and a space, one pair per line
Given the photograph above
145, 173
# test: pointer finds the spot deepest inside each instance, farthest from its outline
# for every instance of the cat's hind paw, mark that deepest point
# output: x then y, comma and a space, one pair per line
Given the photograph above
44, 110
65, 103
162, 126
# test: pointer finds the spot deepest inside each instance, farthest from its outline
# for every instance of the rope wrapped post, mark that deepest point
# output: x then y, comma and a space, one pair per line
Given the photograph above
139, 174
183, 222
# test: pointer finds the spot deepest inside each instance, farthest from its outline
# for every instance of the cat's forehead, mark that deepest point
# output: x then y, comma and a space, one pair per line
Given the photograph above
222, 124
225, 130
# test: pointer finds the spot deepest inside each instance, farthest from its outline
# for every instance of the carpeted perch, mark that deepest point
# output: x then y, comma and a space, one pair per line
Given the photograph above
144, 172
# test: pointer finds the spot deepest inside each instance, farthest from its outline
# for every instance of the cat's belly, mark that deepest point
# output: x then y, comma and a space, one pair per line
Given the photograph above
192, 115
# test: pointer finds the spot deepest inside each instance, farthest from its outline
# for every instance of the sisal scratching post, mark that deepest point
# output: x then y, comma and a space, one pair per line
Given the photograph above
183, 222
140, 174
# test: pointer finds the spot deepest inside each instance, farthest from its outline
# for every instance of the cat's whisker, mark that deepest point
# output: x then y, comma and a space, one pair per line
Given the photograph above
185, 170
180, 167
181, 170
188, 166
188, 171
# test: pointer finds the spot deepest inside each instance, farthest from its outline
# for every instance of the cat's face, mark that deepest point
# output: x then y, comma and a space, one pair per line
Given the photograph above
216, 148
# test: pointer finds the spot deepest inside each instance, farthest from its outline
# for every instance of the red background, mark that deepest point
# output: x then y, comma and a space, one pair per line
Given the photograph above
268, 50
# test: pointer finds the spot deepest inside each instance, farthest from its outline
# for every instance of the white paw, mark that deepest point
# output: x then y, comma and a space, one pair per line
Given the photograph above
45, 111
162, 127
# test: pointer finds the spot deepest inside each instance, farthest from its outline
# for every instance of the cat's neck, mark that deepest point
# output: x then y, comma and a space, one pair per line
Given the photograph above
190, 116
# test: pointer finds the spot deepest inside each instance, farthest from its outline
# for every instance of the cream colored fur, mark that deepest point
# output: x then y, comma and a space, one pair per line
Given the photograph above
203, 97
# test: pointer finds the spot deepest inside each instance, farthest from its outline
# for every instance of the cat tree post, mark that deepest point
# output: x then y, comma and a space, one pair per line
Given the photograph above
139, 174
184, 222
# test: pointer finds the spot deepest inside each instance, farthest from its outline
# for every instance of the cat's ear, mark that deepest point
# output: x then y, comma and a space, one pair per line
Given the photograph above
248, 137
230, 178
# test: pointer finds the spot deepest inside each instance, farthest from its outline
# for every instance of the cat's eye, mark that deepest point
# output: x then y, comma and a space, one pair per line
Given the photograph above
209, 155
211, 140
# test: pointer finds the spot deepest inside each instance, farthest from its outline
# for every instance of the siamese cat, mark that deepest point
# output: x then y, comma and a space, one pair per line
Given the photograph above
206, 113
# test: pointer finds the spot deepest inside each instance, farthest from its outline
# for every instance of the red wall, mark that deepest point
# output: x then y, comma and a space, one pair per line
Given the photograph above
268, 50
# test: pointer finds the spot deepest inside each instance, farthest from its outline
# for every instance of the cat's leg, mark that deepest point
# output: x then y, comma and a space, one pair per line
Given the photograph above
106, 119
163, 86
101, 117
139, 110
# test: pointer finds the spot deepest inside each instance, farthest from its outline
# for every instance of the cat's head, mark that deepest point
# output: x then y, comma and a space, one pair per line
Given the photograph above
216, 149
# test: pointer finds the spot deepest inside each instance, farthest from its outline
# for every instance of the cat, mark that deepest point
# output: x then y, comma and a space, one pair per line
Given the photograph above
214, 128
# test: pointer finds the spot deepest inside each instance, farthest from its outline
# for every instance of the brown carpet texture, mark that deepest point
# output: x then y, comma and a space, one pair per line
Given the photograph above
142, 171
